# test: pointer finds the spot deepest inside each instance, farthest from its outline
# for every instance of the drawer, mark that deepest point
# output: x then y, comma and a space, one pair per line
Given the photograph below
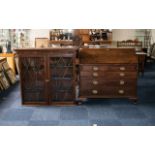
108, 75
91, 83
108, 92
113, 68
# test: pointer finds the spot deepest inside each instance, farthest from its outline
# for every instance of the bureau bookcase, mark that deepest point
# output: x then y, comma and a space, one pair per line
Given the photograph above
47, 76
108, 73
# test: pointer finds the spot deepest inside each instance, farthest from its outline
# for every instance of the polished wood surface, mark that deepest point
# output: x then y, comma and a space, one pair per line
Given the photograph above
107, 55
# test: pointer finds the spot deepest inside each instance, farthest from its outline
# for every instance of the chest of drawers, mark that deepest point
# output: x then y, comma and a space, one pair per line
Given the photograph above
108, 73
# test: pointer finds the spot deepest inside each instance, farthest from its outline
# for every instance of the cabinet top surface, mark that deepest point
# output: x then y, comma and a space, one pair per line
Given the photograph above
108, 55
45, 49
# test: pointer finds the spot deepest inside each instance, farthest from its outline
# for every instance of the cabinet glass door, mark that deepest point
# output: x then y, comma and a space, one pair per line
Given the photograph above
33, 79
62, 79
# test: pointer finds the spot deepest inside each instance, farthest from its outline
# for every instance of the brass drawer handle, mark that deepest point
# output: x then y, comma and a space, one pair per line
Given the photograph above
95, 68
122, 74
122, 82
95, 82
47, 80
95, 74
122, 68
121, 91
94, 91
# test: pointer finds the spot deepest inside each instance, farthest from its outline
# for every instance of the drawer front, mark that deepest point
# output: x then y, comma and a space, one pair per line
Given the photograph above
91, 83
109, 68
108, 75
108, 80
108, 92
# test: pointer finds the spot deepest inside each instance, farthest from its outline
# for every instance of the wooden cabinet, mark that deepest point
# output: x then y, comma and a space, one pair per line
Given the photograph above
47, 75
108, 73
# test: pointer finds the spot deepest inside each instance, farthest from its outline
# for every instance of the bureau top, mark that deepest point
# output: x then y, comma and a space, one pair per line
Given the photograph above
108, 55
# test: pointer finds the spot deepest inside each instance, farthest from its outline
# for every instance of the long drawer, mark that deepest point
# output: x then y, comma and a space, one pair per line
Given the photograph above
108, 91
100, 82
108, 75
113, 68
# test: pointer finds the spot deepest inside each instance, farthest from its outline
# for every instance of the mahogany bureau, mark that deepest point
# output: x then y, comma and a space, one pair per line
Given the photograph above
108, 73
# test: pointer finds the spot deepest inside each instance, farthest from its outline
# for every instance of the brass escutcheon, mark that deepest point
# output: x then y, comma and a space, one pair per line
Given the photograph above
122, 68
122, 74
95, 74
95, 68
121, 91
122, 82
94, 91
95, 82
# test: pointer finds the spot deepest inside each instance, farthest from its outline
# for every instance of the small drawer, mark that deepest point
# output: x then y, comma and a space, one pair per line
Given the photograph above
92, 68
122, 67
92, 74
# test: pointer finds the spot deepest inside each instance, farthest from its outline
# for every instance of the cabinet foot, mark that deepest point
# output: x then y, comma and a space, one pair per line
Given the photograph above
134, 100
81, 100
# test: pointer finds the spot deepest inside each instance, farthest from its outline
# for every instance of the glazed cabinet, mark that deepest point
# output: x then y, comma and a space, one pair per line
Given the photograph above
47, 76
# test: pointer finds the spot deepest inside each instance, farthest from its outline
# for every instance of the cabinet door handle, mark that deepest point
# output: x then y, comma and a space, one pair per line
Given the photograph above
121, 91
94, 91
95, 74
95, 68
122, 74
122, 82
122, 68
